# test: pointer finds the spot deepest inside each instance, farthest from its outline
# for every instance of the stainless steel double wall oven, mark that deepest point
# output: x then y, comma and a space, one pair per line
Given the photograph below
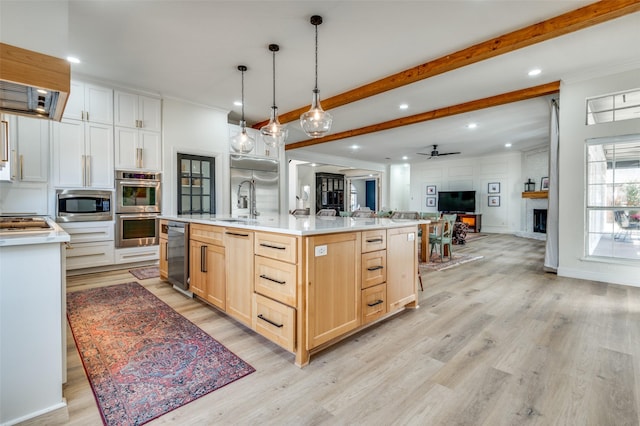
137, 206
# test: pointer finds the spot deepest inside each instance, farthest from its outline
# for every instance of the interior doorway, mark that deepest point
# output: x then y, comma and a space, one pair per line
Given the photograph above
364, 192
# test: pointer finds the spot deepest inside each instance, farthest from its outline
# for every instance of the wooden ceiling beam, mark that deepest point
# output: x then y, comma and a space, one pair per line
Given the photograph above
592, 14
478, 104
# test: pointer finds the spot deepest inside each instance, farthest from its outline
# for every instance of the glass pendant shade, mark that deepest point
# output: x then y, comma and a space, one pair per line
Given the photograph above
274, 134
316, 122
242, 142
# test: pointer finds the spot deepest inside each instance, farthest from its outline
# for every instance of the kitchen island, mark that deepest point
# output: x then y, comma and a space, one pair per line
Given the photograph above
303, 282
32, 323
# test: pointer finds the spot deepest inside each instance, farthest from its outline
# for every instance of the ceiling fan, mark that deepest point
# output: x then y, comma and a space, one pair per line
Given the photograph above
435, 153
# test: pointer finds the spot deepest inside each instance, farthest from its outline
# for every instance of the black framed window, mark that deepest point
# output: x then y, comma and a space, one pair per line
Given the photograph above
196, 184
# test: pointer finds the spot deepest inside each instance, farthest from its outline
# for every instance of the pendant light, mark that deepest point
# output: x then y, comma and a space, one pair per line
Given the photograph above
274, 134
242, 142
316, 122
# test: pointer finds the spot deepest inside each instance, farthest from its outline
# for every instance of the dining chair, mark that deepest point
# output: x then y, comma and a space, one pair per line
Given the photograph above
300, 212
362, 213
625, 226
405, 215
326, 212
444, 238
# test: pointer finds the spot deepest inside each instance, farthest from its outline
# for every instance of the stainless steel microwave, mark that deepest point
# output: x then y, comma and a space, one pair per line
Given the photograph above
81, 205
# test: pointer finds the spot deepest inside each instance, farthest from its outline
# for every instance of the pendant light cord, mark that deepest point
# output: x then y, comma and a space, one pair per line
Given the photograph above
316, 88
242, 94
274, 79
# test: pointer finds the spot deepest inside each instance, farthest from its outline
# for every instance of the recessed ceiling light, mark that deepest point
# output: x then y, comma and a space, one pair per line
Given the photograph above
73, 59
404, 157
534, 72
313, 164
404, 106
472, 126
354, 147
237, 103
508, 145
42, 91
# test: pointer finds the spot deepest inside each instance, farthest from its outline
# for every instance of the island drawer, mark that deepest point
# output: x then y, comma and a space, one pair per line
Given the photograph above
374, 240
207, 234
374, 268
374, 303
275, 279
275, 246
275, 321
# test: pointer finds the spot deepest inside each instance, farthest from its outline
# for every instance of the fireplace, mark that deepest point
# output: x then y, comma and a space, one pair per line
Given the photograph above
540, 220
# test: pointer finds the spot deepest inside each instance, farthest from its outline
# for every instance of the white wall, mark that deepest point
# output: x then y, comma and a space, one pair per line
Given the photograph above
573, 133
198, 130
399, 188
474, 174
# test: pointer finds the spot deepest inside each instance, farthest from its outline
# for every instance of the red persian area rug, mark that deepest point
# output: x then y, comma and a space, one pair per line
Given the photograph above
145, 273
142, 358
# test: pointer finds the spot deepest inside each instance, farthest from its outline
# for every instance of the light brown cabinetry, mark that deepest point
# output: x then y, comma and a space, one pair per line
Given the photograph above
333, 293
239, 267
402, 270
207, 264
374, 275
164, 249
276, 288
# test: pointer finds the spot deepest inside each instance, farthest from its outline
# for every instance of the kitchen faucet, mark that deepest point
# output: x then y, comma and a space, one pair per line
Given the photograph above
253, 212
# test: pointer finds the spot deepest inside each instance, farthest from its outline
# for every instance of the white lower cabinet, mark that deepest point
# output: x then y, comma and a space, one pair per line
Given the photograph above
91, 245
137, 254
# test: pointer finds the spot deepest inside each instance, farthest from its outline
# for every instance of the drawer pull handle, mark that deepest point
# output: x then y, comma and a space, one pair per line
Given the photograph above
375, 240
236, 234
377, 302
273, 247
375, 268
270, 322
272, 279
203, 259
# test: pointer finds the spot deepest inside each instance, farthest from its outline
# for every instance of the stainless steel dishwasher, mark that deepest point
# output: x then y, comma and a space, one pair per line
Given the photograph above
178, 253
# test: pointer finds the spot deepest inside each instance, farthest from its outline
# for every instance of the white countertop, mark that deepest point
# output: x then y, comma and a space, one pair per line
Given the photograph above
298, 225
20, 238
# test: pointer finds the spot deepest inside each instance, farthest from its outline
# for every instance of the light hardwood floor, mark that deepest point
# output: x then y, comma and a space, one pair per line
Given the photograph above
494, 342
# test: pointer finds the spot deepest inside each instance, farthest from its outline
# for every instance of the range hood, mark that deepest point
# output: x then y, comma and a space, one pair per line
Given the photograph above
33, 84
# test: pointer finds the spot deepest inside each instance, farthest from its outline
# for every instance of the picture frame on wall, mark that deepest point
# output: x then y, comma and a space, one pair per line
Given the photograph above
493, 188
431, 190
494, 201
544, 184
431, 201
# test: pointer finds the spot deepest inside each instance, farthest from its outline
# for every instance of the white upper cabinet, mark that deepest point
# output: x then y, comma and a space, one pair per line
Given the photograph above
137, 111
82, 155
32, 137
89, 102
137, 149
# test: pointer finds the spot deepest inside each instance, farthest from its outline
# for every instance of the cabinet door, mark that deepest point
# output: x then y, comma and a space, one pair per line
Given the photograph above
239, 266
402, 266
75, 103
98, 104
333, 296
150, 114
68, 154
33, 149
99, 152
216, 282
126, 144
126, 109
164, 259
150, 151
197, 268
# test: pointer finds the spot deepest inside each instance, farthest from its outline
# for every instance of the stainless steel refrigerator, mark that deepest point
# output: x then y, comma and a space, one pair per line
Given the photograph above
252, 176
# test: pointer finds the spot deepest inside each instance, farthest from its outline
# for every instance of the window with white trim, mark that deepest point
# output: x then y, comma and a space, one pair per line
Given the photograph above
613, 197
613, 107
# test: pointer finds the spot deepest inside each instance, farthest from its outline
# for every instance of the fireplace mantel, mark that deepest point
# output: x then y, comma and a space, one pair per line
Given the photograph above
535, 194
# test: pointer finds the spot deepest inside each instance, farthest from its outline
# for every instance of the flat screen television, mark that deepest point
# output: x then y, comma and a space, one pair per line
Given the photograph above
457, 201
